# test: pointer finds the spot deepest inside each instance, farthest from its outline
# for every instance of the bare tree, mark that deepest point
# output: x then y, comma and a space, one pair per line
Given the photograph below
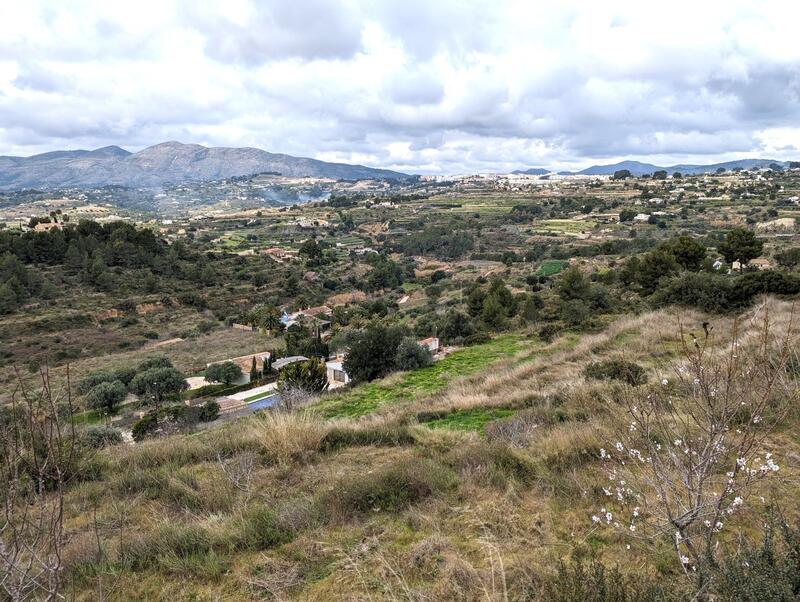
696, 442
37, 449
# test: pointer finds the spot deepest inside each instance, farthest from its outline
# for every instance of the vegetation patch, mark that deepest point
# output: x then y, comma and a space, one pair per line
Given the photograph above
551, 267
469, 420
408, 386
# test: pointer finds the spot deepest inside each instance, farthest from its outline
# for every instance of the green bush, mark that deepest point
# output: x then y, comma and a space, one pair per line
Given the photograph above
257, 529
389, 488
596, 583
770, 571
209, 411
385, 436
411, 355
628, 372
101, 436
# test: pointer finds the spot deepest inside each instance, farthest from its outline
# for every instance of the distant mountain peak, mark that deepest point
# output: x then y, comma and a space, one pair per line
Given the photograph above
166, 163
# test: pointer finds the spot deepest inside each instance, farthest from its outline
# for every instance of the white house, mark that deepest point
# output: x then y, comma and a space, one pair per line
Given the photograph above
337, 377
431, 344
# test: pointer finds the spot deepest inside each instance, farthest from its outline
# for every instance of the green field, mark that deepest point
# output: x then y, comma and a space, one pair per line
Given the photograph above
408, 386
550, 267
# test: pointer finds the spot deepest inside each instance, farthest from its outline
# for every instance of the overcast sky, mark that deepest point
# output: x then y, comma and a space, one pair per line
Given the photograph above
423, 86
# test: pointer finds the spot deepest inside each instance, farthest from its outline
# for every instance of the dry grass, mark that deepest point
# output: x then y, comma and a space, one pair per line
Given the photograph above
286, 438
383, 508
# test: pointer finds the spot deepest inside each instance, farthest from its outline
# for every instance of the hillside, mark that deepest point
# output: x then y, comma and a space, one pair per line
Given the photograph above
638, 168
468, 481
169, 162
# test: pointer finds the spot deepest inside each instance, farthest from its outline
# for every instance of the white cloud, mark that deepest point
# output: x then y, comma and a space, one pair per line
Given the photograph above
450, 85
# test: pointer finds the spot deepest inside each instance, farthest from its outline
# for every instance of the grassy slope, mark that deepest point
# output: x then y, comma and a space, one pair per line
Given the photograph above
332, 484
409, 386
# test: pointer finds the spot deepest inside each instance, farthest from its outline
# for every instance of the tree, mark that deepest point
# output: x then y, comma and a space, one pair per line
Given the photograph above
695, 444
311, 376
455, 325
105, 396
411, 355
654, 266
311, 249
8, 299
155, 361
660, 174
573, 285
39, 455
266, 317
155, 384
621, 174
372, 351
574, 312
225, 372
627, 215
254, 372
741, 245
687, 252
788, 258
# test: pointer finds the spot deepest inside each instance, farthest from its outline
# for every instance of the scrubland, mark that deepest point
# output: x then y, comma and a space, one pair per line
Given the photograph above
479, 488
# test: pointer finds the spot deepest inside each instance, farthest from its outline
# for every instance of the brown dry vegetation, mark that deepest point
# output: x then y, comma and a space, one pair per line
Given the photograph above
384, 507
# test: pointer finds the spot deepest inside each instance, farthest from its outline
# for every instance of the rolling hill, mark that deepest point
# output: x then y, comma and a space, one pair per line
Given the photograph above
165, 163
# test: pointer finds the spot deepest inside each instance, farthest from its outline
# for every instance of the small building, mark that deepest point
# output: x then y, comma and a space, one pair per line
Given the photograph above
761, 263
46, 226
736, 266
285, 361
431, 344
337, 376
316, 315
245, 362
280, 255
641, 217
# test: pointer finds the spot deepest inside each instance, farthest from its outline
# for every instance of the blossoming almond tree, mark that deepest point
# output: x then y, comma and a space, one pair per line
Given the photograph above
697, 441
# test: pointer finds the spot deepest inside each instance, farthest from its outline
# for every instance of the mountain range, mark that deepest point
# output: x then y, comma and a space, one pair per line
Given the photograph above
637, 168
165, 163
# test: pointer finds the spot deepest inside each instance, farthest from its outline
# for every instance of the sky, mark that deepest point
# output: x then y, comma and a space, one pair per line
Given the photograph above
421, 86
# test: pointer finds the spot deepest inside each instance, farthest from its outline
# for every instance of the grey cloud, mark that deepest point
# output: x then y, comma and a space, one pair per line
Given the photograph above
314, 29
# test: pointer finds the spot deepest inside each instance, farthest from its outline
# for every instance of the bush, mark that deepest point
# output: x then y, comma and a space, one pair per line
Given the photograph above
720, 294
225, 372
259, 530
311, 376
101, 436
628, 372
105, 396
598, 584
209, 411
411, 355
390, 488
386, 436
770, 571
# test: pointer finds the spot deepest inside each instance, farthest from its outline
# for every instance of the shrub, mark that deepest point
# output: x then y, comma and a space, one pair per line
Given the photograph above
288, 437
411, 355
628, 372
389, 488
105, 396
599, 584
770, 571
381, 435
258, 529
310, 376
102, 436
209, 411
225, 372
91, 380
